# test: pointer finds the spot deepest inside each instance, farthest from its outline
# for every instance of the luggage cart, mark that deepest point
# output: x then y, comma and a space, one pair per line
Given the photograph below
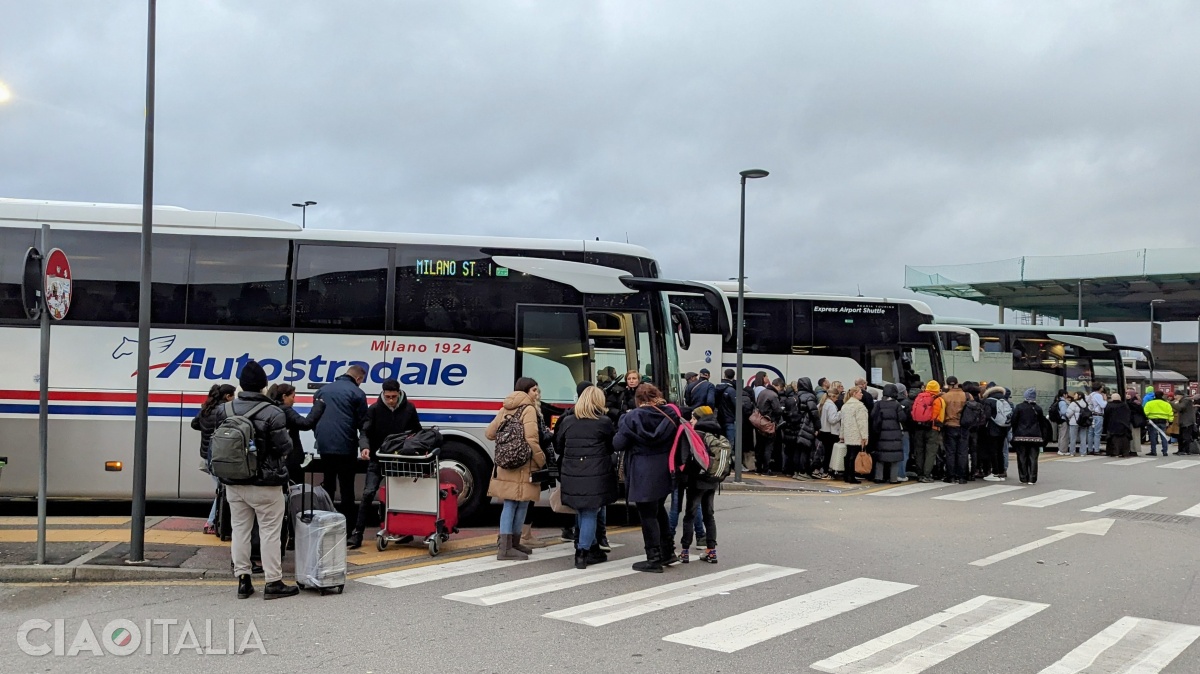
417, 504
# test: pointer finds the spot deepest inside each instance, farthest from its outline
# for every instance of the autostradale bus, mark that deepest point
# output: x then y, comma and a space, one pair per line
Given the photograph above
454, 318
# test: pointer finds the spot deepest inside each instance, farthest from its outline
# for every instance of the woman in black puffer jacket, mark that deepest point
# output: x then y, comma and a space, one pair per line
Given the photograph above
646, 435
206, 422
584, 443
887, 429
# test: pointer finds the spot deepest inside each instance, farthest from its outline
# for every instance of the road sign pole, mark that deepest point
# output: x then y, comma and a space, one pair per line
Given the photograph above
43, 406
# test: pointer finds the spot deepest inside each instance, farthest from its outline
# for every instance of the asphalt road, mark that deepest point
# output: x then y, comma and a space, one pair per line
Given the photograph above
871, 582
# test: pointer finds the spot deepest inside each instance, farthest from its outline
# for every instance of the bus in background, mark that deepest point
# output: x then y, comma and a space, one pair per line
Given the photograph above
456, 319
1045, 357
885, 341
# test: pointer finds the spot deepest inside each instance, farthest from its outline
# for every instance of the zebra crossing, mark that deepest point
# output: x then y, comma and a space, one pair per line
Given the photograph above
1131, 644
1039, 500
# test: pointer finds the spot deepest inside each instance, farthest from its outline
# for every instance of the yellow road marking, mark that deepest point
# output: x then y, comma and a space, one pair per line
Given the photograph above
66, 521
156, 536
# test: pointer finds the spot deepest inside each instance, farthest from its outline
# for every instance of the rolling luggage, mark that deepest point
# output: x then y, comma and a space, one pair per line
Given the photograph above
320, 546
224, 519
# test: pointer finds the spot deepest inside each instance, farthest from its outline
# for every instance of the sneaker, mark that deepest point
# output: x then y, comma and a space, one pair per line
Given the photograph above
925, 480
685, 557
992, 478
709, 556
902, 478
604, 546
1003, 476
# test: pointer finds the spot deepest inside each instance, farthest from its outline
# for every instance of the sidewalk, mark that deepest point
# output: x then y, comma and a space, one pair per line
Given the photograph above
752, 482
96, 549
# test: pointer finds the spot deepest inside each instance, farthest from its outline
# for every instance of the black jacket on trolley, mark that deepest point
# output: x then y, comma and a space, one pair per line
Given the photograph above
271, 439
888, 419
383, 421
586, 472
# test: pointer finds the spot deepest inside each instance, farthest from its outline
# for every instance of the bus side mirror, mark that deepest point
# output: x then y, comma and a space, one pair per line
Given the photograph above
681, 326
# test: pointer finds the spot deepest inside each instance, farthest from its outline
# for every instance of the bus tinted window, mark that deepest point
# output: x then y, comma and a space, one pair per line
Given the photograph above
105, 266
768, 327
341, 287
168, 289
13, 245
239, 282
700, 313
445, 290
850, 323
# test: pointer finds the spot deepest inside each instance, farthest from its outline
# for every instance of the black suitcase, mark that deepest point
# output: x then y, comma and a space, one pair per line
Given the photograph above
224, 520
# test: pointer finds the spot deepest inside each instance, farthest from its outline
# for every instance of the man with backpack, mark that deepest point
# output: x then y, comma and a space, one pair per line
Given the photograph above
928, 415
393, 413
701, 486
954, 432
993, 437
248, 454
726, 394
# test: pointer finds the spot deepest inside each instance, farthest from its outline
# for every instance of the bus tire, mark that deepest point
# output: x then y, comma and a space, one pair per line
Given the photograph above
473, 468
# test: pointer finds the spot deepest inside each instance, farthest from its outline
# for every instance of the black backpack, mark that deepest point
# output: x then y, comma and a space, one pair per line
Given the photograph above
973, 415
726, 404
421, 443
1055, 415
1085, 413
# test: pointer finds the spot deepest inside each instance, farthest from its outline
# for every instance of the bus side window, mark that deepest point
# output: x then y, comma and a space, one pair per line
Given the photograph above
239, 282
552, 348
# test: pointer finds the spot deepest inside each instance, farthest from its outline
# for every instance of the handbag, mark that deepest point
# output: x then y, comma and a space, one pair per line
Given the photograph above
761, 423
556, 503
863, 463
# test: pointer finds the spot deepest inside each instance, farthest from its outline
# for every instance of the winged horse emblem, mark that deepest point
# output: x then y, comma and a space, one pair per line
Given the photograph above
128, 346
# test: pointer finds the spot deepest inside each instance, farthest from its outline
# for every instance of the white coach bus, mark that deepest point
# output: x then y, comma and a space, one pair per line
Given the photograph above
456, 319
885, 341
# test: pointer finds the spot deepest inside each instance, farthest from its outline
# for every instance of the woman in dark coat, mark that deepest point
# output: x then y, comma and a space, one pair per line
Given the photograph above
284, 395
206, 422
888, 418
584, 442
646, 435
1031, 430
1118, 424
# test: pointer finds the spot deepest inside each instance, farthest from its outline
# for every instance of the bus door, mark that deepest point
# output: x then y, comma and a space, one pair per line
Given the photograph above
552, 348
620, 342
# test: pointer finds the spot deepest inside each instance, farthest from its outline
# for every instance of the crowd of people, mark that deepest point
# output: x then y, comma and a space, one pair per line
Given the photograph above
954, 432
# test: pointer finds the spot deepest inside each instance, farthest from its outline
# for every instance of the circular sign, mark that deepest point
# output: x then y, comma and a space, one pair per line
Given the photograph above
31, 284
58, 284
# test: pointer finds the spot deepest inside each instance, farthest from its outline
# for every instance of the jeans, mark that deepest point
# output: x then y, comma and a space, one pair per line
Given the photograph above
906, 444
512, 517
585, 525
1064, 435
673, 514
370, 489
731, 433
248, 503
1007, 449
956, 438
1156, 436
1093, 436
212, 513
1074, 440
701, 517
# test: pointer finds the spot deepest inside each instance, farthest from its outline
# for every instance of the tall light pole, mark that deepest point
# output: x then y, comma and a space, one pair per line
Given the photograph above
1080, 305
1152, 303
739, 422
304, 212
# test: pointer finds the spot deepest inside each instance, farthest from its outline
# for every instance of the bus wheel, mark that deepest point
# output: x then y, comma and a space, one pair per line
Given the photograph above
465, 468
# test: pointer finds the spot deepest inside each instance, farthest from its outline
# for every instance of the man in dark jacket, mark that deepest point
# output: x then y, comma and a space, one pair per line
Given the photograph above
703, 392
391, 414
337, 435
770, 406
726, 404
260, 497
1185, 414
804, 428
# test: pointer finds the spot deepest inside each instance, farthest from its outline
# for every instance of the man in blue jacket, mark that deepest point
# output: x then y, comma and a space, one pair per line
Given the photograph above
338, 436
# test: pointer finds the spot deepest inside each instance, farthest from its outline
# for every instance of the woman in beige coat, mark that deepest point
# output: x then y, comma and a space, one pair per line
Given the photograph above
516, 487
855, 429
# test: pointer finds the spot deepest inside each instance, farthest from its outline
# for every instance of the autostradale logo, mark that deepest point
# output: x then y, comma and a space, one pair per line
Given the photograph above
197, 364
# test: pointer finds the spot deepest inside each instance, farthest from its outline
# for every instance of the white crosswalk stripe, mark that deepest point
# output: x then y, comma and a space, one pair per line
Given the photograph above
754, 627
1130, 462
426, 574
607, 611
911, 489
1050, 498
1180, 465
1133, 645
1081, 459
1194, 511
535, 585
978, 492
925, 643
1131, 502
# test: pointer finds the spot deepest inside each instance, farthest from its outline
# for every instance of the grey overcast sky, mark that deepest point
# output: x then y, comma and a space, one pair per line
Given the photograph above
897, 133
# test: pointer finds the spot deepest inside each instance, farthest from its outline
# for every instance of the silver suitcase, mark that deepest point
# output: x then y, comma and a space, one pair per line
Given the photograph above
321, 550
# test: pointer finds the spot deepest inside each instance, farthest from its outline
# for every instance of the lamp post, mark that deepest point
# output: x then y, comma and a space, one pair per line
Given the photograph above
739, 422
304, 212
1152, 303
1079, 322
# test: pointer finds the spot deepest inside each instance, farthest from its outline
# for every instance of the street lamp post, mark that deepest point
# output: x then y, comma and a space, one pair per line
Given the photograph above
1152, 303
739, 422
304, 212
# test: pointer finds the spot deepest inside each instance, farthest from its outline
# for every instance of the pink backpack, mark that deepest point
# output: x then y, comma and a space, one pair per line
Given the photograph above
689, 449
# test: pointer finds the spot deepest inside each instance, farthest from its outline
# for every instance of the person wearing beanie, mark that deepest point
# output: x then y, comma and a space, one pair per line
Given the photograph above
260, 497
929, 413
1030, 432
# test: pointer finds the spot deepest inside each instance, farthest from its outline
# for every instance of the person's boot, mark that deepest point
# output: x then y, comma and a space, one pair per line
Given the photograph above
653, 563
354, 541
506, 552
516, 545
567, 535
595, 555
602, 543
580, 559
245, 587
277, 589
667, 555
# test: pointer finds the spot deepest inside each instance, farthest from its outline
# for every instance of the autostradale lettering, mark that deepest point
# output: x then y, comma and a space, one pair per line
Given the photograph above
197, 364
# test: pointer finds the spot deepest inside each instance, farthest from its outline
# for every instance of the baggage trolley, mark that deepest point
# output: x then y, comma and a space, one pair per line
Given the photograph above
417, 503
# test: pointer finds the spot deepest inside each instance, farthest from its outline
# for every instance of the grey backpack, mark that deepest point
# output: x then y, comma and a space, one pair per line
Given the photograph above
232, 454
512, 449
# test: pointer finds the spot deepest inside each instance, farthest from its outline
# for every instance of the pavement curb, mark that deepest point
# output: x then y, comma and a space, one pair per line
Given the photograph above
799, 487
33, 573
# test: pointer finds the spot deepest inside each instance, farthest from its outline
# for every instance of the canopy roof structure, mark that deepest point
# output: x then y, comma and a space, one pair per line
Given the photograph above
1114, 287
